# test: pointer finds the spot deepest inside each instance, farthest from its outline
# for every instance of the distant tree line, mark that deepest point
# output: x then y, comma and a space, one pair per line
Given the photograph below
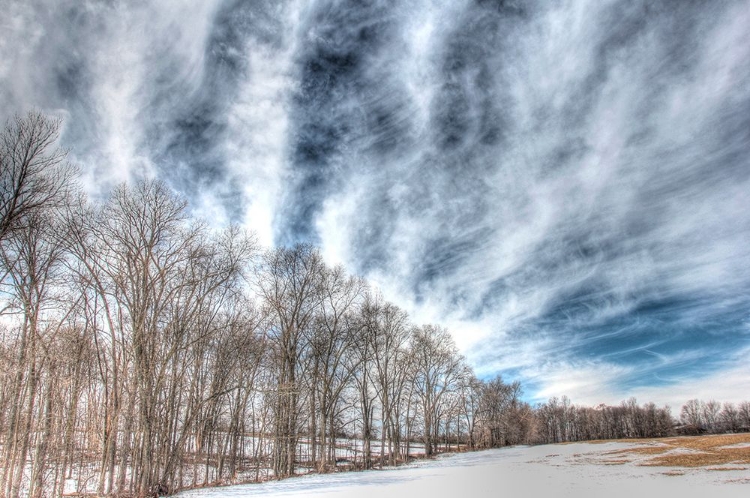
144, 352
713, 417
560, 421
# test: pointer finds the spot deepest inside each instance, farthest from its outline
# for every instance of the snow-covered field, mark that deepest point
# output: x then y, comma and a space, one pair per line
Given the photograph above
575, 470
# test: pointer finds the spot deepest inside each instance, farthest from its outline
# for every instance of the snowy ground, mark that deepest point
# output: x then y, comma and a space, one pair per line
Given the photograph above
574, 470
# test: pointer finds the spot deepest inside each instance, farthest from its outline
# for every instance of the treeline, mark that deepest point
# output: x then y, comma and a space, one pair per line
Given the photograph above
144, 352
713, 417
559, 420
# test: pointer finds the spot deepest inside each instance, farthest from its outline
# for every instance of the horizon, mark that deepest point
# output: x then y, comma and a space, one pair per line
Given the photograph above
565, 188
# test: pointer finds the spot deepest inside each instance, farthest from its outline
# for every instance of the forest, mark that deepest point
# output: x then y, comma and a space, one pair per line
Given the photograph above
145, 351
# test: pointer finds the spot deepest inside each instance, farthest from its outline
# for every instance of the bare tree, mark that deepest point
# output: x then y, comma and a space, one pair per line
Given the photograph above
729, 418
32, 259
502, 417
389, 342
33, 173
156, 286
743, 412
364, 374
693, 413
470, 392
333, 336
291, 286
437, 370
711, 409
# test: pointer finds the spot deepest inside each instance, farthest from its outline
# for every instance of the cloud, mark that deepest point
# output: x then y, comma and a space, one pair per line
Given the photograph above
575, 186
563, 184
729, 385
256, 142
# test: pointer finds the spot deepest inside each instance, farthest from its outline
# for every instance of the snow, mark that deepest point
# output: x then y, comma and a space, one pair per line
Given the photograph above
569, 470
738, 445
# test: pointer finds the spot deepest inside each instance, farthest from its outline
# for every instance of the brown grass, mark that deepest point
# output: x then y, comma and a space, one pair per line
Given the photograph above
673, 473
700, 451
641, 450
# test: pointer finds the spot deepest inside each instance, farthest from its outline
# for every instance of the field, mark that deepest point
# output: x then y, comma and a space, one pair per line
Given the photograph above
685, 467
724, 452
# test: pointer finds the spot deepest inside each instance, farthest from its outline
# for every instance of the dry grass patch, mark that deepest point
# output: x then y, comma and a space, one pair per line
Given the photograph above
641, 450
700, 451
673, 473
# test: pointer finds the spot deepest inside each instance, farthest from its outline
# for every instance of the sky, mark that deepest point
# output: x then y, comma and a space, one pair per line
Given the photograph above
563, 184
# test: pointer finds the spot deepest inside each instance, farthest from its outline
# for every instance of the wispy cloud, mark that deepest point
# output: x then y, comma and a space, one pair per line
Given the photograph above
563, 184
